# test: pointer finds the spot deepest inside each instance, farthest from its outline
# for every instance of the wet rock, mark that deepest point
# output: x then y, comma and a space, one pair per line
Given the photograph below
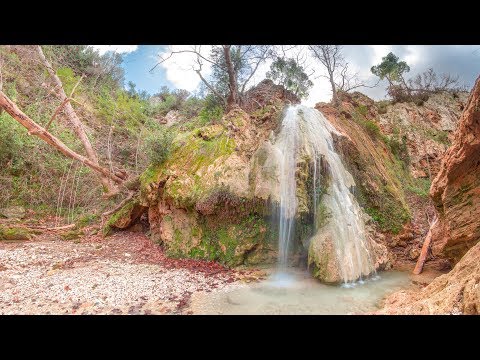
457, 292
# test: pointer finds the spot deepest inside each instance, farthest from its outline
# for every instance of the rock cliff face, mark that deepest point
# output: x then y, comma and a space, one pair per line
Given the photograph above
457, 292
456, 189
392, 151
213, 196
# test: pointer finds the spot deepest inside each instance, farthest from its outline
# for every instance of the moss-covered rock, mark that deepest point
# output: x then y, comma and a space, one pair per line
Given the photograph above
231, 244
124, 217
72, 234
15, 233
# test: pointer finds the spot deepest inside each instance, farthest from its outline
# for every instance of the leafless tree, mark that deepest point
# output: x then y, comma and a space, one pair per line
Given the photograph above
338, 74
74, 120
429, 82
250, 56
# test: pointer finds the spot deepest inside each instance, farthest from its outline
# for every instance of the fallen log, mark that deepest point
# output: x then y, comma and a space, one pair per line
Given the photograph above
423, 254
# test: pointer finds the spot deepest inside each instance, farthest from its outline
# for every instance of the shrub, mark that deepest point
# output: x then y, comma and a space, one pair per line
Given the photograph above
210, 114
372, 128
158, 146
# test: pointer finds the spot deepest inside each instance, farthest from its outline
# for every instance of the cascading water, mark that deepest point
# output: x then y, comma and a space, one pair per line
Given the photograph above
305, 132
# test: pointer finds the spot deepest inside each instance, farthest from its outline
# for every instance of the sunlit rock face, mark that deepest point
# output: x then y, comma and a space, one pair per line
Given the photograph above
456, 189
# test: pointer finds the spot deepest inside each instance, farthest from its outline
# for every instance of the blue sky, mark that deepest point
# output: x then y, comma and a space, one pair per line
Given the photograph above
177, 73
137, 65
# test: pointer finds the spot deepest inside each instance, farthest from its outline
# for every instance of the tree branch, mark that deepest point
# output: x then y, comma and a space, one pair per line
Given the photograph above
35, 129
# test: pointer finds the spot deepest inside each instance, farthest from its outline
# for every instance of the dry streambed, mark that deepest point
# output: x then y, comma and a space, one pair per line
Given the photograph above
123, 274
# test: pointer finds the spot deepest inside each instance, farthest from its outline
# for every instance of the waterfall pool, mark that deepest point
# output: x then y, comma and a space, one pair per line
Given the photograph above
296, 293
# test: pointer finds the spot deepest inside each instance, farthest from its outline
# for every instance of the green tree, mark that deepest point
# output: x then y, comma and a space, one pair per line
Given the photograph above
391, 69
289, 74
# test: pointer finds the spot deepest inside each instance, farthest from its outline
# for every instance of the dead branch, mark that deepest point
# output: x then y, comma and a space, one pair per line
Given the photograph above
34, 129
426, 246
56, 228
120, 205
74, 119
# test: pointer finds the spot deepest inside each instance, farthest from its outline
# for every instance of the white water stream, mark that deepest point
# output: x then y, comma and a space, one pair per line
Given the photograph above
306, 132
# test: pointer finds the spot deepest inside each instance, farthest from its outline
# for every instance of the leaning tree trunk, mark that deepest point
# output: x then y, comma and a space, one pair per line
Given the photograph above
75, 121
232, 80
37, 130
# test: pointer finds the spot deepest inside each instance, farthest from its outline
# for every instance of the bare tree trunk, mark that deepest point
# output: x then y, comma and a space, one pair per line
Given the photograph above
334, 90
423, 254
35, 129
76, 123
233, 97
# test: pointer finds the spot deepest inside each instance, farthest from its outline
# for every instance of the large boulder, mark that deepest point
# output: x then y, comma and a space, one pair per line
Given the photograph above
13, 212
212, 197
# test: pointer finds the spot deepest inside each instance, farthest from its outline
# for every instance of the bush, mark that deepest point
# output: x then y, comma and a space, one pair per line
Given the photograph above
158, 146
382, 106
210, 114
372, 128
399, 148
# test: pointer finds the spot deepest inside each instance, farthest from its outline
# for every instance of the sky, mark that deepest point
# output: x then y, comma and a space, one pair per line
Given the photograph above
177, 72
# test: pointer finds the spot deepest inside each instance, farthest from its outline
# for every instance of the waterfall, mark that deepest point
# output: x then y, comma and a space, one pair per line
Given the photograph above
306, 133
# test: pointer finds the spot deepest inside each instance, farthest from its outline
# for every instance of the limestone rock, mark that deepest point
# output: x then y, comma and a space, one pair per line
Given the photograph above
15, 234
457, 292
456, 189
13, 212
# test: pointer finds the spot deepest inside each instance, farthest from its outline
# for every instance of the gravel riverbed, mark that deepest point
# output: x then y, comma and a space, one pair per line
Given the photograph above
123, 274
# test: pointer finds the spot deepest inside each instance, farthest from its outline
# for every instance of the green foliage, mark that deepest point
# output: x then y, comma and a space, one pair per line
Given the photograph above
420, 186
210, 114
87, 219
158, 146
382, 106
99, 69
440, 136
390, 68
362, 110
372, 128
398, 147
68, 79
290, 75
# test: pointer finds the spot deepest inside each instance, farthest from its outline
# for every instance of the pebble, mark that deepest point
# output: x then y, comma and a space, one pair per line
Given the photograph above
95, 285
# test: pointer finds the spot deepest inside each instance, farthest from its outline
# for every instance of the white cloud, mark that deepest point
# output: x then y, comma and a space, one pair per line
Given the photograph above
102, 49
179, 67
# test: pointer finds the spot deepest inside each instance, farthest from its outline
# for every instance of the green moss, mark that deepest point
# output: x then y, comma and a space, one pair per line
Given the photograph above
150, 175
225, 242
72, 235
123, 212
15, 233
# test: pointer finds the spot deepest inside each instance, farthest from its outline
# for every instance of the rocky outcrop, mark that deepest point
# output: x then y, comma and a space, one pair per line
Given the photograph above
212, 197
457, 292
265, 94
15, 233
456, 189
392, 151
125, 217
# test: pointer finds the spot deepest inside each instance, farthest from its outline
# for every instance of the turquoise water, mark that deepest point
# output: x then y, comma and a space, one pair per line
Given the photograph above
296, 292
